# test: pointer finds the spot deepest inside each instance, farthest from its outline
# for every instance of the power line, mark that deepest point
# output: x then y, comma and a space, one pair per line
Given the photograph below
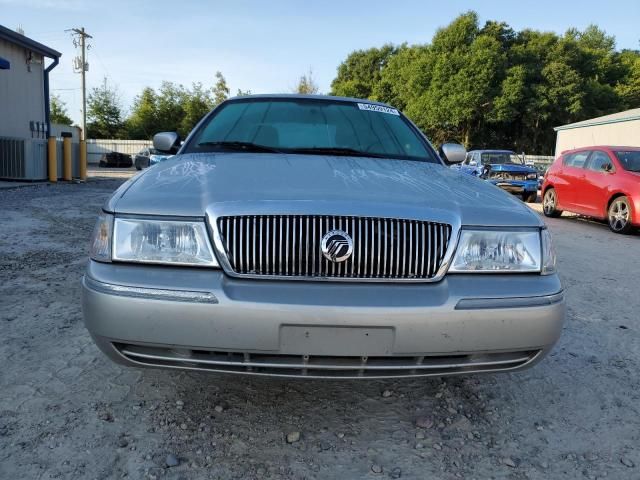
97, 54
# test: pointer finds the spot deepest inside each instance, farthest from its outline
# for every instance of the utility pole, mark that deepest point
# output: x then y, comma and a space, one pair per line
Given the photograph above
80, 64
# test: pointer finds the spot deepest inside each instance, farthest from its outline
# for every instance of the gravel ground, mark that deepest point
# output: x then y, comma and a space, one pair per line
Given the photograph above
68, 412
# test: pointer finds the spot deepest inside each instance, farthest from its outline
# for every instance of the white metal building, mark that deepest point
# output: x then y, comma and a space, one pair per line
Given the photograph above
24, 105
622, 128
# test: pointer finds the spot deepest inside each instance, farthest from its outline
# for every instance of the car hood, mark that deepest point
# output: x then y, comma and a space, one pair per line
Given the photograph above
512, 167
189, 184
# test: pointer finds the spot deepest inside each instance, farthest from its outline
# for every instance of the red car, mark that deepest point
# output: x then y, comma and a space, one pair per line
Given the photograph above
600, 182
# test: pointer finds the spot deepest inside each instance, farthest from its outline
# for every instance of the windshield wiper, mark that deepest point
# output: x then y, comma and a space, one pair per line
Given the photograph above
241, 146
350, 152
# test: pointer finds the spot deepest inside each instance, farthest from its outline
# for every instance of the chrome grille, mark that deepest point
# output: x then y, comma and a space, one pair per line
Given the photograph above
314, 366
289, 246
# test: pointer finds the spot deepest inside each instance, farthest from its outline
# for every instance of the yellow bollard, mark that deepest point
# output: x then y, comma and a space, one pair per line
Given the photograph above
66, 156
83, 160
52, 164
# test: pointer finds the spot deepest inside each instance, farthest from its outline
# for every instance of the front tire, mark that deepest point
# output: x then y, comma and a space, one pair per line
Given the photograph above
530, 197
550, 204
619, 215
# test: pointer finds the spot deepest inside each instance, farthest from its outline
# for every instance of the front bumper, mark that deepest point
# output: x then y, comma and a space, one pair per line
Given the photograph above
141, 162
517, 187
204, 320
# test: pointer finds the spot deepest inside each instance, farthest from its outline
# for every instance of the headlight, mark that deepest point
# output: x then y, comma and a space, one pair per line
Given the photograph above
532, 176
496, 251
101, 240
162, 241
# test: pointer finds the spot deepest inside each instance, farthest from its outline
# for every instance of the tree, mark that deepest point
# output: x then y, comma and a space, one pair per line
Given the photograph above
173, 107
104, 113
490, 86
243, 93
220, 90
142, 124
306, 84
467, 68
198, 103
406, 74
360, 73
58, 111
628, 88
171, 102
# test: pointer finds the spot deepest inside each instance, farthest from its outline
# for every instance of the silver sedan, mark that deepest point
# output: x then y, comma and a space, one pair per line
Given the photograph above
318, 237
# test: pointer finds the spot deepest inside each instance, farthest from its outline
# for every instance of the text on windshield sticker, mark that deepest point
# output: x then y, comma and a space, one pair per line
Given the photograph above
378, 108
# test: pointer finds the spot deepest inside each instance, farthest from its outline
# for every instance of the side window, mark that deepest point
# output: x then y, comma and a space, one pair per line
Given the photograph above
597, 160
576, 160
471, 157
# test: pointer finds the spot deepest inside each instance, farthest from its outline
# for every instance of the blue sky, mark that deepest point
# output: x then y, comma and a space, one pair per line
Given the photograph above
265, 46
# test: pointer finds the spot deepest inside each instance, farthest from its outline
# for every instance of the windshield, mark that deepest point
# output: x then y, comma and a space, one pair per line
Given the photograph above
310, 126
493, 158
630, 160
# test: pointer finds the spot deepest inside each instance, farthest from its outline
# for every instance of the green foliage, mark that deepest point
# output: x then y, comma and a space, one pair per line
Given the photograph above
220, 90
491, 86
143, 123
485, 86
361, 71
172, 108
306, 84
197, 104
104, 112
58, 111
628, 89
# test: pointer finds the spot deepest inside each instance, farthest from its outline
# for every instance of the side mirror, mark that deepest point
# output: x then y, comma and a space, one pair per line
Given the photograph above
452, 153
166, 142
473, 163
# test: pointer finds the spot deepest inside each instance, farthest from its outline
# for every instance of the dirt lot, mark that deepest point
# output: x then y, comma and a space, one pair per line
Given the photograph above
68, 412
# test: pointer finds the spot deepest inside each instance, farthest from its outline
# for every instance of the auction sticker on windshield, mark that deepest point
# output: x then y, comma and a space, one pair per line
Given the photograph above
377, 108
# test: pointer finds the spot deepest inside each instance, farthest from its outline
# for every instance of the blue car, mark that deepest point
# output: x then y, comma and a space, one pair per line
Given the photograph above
505, 169
148, 157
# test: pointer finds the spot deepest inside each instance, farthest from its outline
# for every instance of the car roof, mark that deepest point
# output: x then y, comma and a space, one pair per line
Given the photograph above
271, 96
601, 147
